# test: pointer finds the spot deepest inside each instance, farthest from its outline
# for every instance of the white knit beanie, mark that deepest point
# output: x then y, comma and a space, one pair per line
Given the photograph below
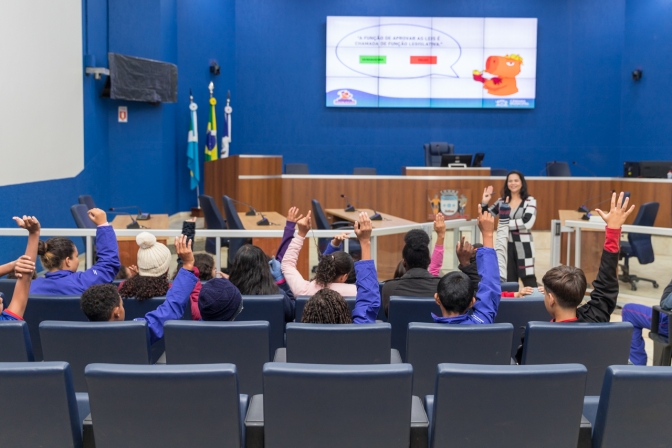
153, 259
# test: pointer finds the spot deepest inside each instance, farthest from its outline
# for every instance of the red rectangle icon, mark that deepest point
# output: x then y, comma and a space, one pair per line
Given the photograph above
423, 59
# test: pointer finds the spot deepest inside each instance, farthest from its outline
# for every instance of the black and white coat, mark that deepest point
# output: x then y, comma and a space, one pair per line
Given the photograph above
520, 233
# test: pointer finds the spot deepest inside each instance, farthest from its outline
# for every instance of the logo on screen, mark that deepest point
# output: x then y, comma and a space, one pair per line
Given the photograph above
502, 103
345, 98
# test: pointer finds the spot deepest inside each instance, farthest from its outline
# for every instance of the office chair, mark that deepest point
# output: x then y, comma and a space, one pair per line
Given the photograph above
80, 214
434, 151
365, 171
323, 224
213, 221
234, 223
296, 168
558, 169
639, 245
87, 200
498, 171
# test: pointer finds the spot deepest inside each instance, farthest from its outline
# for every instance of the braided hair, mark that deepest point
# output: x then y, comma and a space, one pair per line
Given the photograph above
331, 267
326, 307
142, 287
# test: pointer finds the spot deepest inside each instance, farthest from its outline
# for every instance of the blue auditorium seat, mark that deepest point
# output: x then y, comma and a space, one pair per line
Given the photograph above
38, 405
165, 406
83, 343
506, 406
404, 310
595, 345
338, 344
245, 344
300, 303
336, 406
270, 308
7, 289
510, 286
16, 346
431, 344
518, 312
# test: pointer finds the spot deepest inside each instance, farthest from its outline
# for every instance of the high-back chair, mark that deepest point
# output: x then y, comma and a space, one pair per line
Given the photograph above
245, 344
518, 312
84, 343
168, 406
234, 223
361, 171
639, 245
507, 406
16, 346
213, 221
338, 344
296, 168
596, 346
431, 344
87, 200
557, 169
300, 303
323, 224
434, 151
270, 308
7, 286
403, 311
80, 215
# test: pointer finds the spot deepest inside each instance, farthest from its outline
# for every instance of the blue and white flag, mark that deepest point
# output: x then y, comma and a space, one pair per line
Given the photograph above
226, 132
192, 147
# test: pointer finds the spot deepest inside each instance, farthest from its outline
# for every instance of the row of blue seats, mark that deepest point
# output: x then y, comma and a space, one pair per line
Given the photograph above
333, 406
246, 344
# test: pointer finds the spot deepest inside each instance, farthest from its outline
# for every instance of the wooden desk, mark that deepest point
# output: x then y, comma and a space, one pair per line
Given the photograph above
592, 243
444, 171
128, 248
270, 245
389, 246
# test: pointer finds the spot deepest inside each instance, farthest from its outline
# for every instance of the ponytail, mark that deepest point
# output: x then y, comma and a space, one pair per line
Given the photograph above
331, 267
54, 251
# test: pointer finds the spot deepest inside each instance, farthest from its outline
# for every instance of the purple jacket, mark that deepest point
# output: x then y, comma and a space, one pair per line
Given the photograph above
368, 293
286, 239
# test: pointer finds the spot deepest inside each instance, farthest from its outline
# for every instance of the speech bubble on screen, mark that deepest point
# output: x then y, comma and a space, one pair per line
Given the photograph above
399, 51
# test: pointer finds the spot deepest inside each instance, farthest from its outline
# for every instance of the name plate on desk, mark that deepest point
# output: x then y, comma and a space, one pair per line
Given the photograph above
452, 203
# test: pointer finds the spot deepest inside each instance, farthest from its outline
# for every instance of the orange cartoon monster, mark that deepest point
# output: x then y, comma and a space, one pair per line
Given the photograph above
505, 69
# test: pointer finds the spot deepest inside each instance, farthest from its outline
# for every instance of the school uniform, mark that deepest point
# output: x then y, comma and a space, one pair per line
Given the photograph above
8, 315
368, 293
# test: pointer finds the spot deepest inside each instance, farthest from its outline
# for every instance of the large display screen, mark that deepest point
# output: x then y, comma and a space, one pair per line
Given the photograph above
431, 62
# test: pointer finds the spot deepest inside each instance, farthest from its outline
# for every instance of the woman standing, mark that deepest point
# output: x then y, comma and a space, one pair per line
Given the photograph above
520, 262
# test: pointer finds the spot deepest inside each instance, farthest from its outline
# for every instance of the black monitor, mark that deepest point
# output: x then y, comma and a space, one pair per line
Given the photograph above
448, 159
478, 159
654, 168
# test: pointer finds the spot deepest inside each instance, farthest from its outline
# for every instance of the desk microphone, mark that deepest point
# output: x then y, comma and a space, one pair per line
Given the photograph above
251, 212
586, 210
263, 221
141, 216
133, 225
583, 168
348, 207
376, 216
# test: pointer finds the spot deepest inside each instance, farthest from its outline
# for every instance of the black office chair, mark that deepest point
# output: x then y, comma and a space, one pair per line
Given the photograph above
558, 169
639, 245
296, 168
234, 223
434, 151
213, 221
87, 200
498, 172
365, 171
324, 224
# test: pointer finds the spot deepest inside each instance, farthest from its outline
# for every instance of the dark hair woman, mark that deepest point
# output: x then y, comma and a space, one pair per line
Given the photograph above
520, 246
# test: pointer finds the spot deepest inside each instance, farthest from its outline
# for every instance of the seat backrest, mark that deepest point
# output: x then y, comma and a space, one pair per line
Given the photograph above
38, 405
510, 286
87, 200
320, 218
16, 346
630, 391
300, 303
640, 242
403, 311
522, 405
432, 344
498, 171
338, 344
518, 312
434, 151
270, 308
213, 218
80, 214
7, 289
244, 344
558, 169
336, 405
296, 168
232, 217
365, 171
162, 405
596, 346
83, 343
41, 308
138, 308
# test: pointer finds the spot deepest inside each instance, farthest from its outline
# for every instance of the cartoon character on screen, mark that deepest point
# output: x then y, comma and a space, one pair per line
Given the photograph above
505, 69
434, 204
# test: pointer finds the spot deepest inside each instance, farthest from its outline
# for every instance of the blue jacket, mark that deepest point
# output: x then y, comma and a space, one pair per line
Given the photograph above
8, 315
488, 294
368, 293
68, 283
173, 308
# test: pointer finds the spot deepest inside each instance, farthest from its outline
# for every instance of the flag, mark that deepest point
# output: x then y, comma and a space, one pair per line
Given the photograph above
192, 148
226, 132
211, 152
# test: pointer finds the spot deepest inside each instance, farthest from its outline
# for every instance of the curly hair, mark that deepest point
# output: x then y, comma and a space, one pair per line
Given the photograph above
143, 288
99, 301
250, 272
326, 307
333, 266
416, 249
54, 251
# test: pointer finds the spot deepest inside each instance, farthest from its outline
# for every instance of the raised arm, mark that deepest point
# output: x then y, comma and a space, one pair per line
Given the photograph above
292, 275
292, 216
465, 253
437, 254
336, 243
501, 240
529, 216
368, 292
489, 289
25, 266
605, 287
108, 264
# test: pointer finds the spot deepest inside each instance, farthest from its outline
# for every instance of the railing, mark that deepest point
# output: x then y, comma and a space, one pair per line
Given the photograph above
457, 226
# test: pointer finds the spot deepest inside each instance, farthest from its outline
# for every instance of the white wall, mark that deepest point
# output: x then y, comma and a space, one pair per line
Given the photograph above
41, 90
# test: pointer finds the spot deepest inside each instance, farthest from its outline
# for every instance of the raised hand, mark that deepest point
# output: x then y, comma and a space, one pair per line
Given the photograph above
526, 291
619, 212
440, 225
486, 222
304, 224
465, 252
133, 270
183, 249
363, 227
487, 195
276, 271
293, 214
30, 223
98, 216
24, 265
338, 239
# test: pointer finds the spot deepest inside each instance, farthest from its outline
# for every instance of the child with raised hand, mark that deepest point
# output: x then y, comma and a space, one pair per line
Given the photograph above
102, 303
24, 268
332, 270
455, 293
328, 306
59, 256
